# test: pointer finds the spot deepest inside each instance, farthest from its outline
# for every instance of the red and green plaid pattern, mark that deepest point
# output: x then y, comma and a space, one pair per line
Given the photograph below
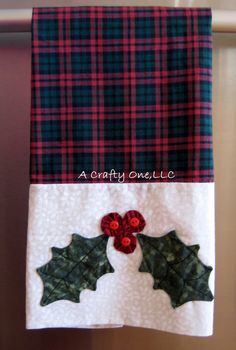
124, 88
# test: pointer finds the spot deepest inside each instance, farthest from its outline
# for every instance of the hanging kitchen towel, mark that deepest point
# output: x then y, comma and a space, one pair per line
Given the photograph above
121, 200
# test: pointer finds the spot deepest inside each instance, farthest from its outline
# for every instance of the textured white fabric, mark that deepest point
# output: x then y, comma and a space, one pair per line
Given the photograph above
125, 297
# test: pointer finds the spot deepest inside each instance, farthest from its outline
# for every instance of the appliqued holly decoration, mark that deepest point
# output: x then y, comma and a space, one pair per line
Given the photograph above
74, 268
175, 267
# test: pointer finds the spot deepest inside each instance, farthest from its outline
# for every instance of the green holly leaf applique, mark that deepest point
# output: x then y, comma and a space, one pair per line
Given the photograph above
175, 268
74, 268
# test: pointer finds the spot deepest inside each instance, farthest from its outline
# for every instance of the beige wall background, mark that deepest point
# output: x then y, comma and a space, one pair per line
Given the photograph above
14, 167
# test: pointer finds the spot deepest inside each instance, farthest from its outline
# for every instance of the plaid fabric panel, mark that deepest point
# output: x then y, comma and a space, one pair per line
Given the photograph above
124, 88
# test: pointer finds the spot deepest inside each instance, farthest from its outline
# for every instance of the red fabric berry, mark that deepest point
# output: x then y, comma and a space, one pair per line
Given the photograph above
123, 228
112, 224
134, 221
127, 249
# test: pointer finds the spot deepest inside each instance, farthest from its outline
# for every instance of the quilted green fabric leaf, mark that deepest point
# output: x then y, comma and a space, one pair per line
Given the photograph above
74, 268
176, 268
